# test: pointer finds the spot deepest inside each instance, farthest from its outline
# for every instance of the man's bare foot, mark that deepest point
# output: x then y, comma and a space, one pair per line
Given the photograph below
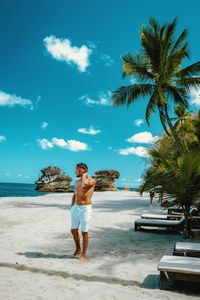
83, 258
77, 252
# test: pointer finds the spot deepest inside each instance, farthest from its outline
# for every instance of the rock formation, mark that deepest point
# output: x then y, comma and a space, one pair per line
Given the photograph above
52, 180
105, 180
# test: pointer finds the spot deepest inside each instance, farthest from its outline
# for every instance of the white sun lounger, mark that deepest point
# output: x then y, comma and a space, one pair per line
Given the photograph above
169, 224
187, 249
161, 217
179, 268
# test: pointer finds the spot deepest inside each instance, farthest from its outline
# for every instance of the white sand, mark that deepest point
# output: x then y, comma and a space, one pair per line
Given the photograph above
36, 247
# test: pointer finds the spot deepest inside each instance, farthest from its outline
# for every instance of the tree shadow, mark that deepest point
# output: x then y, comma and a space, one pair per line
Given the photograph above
152, 281
131, 205
48, 255
44, 205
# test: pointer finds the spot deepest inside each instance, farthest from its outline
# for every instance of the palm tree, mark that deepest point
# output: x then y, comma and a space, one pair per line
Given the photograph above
181, 116
196, 124
158, 71
179, 178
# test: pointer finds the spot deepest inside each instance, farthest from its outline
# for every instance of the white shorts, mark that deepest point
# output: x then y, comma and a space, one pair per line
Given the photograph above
80, 216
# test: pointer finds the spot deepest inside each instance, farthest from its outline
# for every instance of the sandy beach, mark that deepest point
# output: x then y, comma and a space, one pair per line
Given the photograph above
36, 250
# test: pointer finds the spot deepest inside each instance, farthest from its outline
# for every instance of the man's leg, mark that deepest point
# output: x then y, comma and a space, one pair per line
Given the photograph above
77, 241
84, 245
84, 225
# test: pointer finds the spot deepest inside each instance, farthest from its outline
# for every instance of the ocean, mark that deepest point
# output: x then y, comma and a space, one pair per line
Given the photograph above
24, 190
18, 190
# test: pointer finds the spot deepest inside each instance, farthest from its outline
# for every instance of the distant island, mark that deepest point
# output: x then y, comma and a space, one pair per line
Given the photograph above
53, 180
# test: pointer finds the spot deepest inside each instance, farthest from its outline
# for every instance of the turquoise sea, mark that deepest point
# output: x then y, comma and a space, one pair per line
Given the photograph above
23, 190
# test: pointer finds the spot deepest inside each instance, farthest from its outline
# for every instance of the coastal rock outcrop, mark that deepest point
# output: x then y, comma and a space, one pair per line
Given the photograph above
52, 180
105, 180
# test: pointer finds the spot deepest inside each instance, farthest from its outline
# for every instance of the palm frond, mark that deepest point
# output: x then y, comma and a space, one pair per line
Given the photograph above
151, 108
128, 94
188, 83
150, 43
137, 66
169, 34
179, 41
175, 59
179, 95
192, 70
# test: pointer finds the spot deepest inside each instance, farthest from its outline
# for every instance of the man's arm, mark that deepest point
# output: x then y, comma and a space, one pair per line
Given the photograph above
87, 181
73, 199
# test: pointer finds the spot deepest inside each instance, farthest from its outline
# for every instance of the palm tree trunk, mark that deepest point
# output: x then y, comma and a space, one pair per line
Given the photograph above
173, 131
188, 223
183, 133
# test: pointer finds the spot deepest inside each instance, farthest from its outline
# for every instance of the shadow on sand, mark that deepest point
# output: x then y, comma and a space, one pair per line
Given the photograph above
48, 255
152, 281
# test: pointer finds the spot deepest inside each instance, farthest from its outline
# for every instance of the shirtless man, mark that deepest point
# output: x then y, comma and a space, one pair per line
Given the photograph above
81, 207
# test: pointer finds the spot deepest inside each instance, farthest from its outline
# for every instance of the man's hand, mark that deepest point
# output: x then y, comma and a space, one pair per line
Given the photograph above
87, 181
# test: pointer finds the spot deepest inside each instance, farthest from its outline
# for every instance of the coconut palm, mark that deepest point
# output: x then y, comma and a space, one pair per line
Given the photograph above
181, 116
158, 72
179, 178
196, 124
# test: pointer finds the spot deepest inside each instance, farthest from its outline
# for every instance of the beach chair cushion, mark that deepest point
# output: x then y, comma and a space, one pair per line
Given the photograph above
187, 249
179, 268
161, 216
175, 224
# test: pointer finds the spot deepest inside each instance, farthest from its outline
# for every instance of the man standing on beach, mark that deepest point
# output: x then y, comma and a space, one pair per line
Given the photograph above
81, 208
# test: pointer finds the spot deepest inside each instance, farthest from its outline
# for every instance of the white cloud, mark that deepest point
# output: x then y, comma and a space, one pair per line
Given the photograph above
19, 175
72, 145
13, 100
61, 49
2, 138
90, 130
45, 144
102, 99
195, 97
44, 125
91, 45
139, 122
110, 148
139, 151
138, 180
38, 101
143, 137
7, 174
107, 60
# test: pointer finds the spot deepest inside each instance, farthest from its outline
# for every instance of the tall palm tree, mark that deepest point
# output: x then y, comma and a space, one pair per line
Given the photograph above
179, 178
196, 123
158, 71
181, 116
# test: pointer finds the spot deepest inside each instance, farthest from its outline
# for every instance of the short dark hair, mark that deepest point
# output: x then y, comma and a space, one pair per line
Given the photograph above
82, 165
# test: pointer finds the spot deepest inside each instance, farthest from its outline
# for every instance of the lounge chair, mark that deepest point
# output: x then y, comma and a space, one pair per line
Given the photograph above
187, 249
169, 224
174, 210
161, 217
179, 268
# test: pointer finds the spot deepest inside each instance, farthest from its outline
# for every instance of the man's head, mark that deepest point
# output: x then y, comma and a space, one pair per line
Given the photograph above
81, 168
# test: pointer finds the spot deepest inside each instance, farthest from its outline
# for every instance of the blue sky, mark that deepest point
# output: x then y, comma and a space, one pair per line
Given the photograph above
59, 62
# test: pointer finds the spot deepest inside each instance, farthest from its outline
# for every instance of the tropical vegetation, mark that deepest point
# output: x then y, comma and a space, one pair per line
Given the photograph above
174, 161
158, 70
